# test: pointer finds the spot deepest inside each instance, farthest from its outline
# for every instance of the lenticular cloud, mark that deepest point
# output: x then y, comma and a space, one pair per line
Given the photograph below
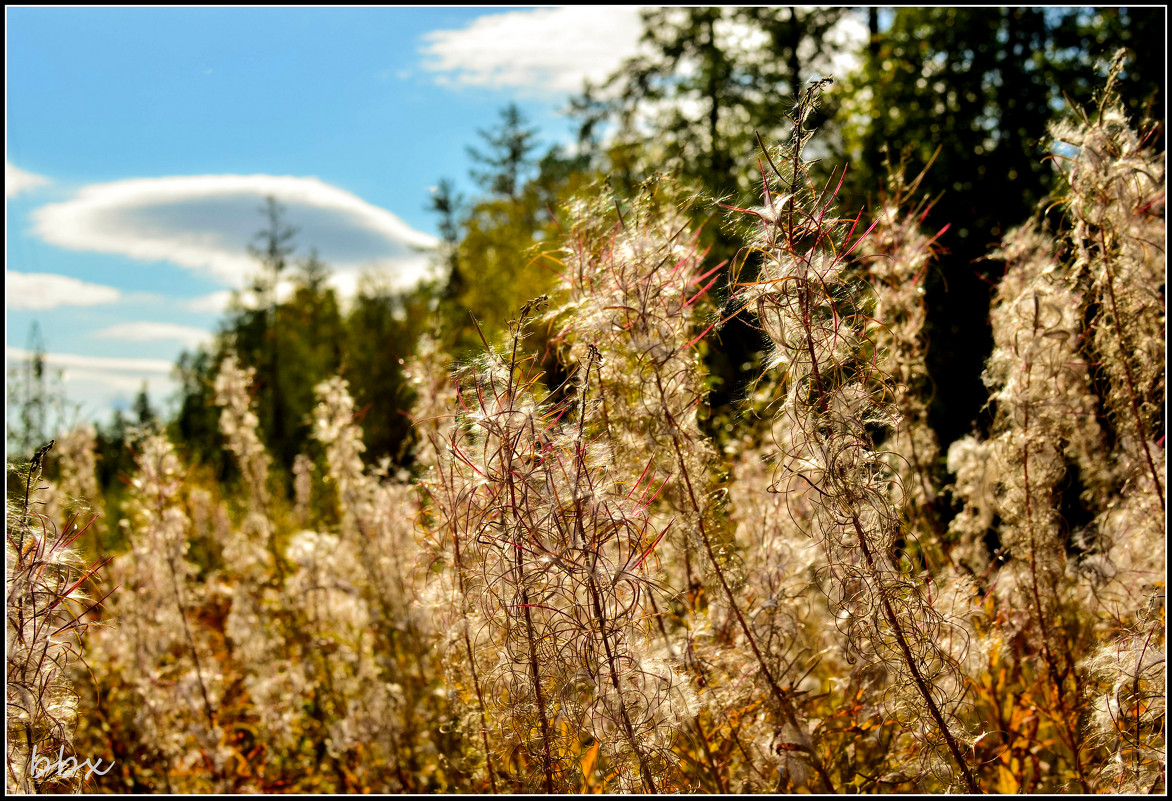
205, 222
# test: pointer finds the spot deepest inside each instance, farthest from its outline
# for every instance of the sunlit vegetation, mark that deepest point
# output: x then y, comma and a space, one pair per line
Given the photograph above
501, 534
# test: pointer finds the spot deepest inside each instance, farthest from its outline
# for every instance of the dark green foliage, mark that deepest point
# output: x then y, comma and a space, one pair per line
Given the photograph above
712, 77
447, 203
974, 88
510, 154
294, 345
381, 330
311, 340
144, 413
496, 257
197, 423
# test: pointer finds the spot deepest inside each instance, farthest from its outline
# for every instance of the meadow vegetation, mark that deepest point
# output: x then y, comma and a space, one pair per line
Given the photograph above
584, 578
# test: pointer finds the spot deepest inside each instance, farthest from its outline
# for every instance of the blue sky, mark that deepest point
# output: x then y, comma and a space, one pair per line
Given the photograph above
140, 143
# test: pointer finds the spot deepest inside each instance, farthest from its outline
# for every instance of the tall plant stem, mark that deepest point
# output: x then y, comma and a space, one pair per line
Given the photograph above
534, 666
782, 699
472, 666
545, 735
711, 763
1132, 393
600, 619
910, 660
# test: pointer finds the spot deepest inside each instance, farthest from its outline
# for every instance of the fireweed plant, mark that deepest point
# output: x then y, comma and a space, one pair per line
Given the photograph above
814, 313
289, 656
1117, 192
383, 721
323, 618
551, 551
153, 639
1077, 379
46, 606
571, 589
896, 255
634, 286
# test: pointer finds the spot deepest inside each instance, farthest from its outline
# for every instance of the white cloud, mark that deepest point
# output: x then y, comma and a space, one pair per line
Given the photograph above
549, 50
17, 180
98, 384
206, 222
344, 283
215, 302
70, 361
42, 291
153, 332
100, 390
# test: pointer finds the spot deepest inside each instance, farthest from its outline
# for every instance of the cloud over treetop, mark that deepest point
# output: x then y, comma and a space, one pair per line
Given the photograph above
206, 222
549, 50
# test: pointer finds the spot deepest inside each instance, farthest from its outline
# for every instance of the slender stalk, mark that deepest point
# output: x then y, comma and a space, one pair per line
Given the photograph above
782, 699
1132, 394
515, 506
913, 668
600, 621
472, 665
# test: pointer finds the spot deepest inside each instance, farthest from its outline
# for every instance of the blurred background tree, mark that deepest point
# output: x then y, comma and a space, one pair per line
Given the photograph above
297, 342
380, 330
509, 157
37, 406
495, 260
449, 204
977, 87
707, 80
